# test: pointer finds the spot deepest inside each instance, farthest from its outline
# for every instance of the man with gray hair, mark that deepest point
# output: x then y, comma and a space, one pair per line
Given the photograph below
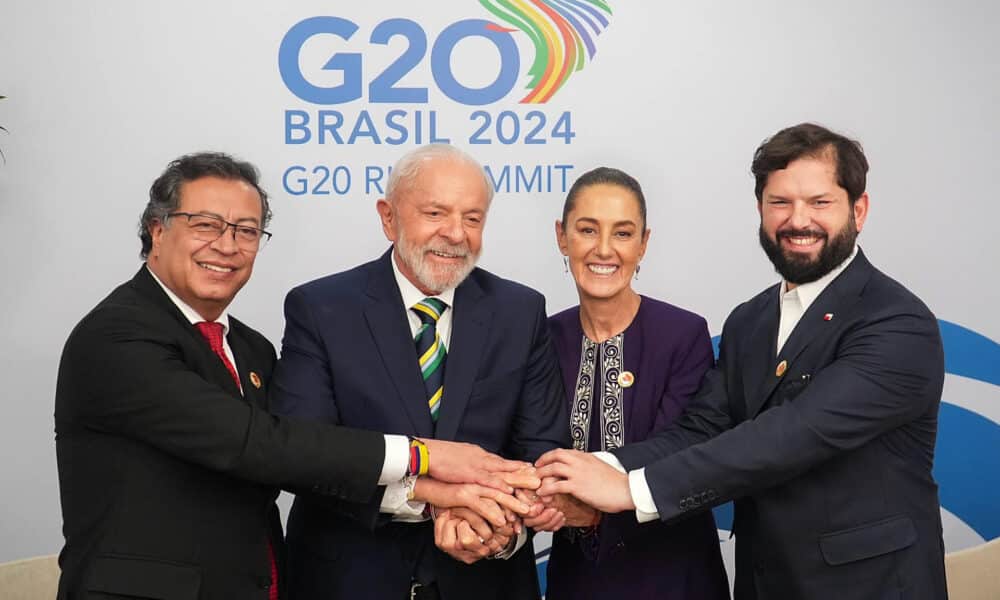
423, 343
168, 461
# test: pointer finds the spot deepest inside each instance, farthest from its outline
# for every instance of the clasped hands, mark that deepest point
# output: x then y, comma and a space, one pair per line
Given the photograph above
481, 502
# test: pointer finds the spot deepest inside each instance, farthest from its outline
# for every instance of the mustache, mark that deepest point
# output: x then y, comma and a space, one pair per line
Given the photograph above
786, 233
460, 250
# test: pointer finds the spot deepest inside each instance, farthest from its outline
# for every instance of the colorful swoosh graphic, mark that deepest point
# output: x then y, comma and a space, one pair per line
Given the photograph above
562, 32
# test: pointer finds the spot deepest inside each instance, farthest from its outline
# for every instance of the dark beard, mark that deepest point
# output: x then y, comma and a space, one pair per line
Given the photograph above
798, 270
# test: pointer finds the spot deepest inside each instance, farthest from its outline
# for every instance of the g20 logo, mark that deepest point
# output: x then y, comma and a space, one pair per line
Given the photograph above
383, 88
561, 32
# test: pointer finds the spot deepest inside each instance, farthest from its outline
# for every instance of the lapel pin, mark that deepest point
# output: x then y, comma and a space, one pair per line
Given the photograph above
828, 317
255, 379
782, 367
626, 379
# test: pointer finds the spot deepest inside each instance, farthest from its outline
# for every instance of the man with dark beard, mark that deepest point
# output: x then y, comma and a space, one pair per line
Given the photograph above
820, 417
420, 342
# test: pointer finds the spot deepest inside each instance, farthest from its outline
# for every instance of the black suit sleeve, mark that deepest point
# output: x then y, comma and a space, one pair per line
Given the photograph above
136, 382
888, 371
303, 386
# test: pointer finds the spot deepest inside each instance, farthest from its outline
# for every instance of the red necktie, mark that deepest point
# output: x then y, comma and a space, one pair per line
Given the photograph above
212, 332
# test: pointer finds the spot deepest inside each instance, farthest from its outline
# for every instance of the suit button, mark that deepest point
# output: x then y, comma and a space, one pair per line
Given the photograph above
263, 581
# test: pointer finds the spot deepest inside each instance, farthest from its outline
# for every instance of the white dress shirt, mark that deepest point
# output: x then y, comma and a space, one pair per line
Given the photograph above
397, 447
793, 304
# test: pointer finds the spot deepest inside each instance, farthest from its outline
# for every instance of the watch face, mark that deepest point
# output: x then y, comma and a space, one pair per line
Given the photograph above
409, 483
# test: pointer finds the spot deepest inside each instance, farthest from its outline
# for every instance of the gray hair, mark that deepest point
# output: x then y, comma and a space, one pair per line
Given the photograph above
165, 193
408, 167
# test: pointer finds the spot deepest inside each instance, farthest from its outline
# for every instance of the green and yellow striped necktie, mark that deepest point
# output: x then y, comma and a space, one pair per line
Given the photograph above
431, 351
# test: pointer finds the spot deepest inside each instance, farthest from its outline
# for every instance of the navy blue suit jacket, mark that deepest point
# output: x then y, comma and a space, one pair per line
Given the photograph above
829, 460
348, 357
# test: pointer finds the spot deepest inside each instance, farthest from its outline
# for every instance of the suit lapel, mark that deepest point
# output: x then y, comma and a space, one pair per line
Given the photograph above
386, 318
838, 298
207, 360
470, 325
246, 367
759, 353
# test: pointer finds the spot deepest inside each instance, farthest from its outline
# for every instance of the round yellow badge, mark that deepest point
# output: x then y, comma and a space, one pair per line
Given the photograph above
626, 379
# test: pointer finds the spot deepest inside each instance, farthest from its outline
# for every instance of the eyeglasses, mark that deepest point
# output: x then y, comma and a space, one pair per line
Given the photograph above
208, 228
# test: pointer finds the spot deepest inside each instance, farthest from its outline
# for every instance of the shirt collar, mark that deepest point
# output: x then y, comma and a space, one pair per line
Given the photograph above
411, 295
807, 292
188, 312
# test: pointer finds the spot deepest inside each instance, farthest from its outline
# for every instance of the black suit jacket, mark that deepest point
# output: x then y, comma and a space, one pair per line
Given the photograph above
348, 358
830, 461
167, 473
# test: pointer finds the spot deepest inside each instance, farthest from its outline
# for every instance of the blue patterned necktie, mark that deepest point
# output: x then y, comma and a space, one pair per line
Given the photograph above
430, 351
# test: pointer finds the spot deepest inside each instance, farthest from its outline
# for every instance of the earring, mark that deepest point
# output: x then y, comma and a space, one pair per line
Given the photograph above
637, 267
565, 265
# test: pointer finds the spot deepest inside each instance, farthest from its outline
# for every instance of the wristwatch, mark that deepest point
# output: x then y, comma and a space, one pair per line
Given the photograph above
505, 552
409, 483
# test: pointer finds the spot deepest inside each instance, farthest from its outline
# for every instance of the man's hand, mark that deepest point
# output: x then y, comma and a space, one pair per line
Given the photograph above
586, 477
493, 505
465, 536
541, 517
577, 514
458, 462
525, 478
494, 538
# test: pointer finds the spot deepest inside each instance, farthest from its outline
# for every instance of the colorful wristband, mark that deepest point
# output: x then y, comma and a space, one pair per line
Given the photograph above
419, 458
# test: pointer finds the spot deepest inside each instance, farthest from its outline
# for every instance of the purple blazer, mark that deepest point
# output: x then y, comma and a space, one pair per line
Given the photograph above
667, 350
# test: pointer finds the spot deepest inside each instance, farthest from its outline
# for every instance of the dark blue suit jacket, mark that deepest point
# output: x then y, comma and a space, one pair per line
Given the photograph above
348, 357
829, 461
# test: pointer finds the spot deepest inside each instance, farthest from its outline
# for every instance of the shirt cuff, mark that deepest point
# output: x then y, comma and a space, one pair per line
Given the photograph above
611, 459
397, 460
395, 503
645, 508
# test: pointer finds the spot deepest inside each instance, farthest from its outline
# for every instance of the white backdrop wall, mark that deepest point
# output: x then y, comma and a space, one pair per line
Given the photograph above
101, 95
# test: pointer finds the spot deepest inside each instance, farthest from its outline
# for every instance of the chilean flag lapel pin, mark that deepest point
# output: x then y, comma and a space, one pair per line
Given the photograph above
828, 317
